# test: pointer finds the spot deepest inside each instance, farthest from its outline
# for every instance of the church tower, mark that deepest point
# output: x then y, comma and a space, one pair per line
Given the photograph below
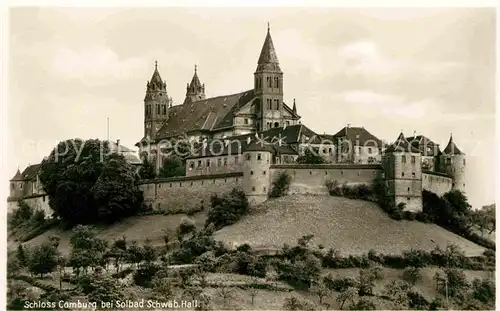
452, 162
156, 104
268, 86
195, 90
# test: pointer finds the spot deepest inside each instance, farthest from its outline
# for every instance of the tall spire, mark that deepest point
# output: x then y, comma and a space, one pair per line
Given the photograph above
156, 79
268, 54
294, 109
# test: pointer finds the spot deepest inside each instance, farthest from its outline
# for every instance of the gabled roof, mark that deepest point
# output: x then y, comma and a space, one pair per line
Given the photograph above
426, 146
17, 177
402, 145
275, 140
204, 115
451, 148
31, 172
359, 136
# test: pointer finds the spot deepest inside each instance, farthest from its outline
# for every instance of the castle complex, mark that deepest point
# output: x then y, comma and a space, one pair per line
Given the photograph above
246, 139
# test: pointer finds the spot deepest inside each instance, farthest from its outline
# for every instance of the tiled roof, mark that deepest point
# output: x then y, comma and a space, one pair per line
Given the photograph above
265, 141
207, 114
17, 177
31, 171
402, 145
359, 136
451, 148
426, 146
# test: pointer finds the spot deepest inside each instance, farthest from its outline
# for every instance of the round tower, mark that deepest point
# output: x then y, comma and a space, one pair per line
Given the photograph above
453, 163
256, 171
402, 164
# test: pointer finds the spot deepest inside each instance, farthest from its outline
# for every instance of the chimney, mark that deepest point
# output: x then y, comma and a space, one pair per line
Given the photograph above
348, 125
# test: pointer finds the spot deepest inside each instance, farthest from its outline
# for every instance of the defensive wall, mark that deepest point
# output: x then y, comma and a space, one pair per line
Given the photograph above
312, 178
38, 202
186, 193
438, 183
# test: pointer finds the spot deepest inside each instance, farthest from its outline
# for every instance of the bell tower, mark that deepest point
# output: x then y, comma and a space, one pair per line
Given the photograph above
156, 104
268, 86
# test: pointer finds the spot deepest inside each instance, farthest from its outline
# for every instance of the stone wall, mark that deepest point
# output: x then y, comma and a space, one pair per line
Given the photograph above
187, 192
311, 179
37, 202
437, 183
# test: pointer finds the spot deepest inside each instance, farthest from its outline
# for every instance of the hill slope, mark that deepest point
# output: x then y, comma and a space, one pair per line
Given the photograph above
137, 229
349, 226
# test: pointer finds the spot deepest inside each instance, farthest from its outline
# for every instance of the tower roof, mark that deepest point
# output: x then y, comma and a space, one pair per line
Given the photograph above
268, 54
156, 78
402, 145
451, 148
195, 81
17, 177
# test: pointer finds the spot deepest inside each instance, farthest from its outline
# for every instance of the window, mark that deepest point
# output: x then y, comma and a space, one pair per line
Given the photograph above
341, 173
259, 156
225, 161
369, 150
164, 109
170, 185
326, 172
448, 161
253, 188
225, 180
208, 163
191, 165
157, 109
199, 163
214, 181
413, 174
408, 199
287, 123
464, 161
21, 186
236, 159
402, 174
248, 156
269, 82
245, 121
269, 102
264, 172
251, 172
264, 189
310, 172
180, 184
276, 124
219, 161
277, 102
403, 159
191, 184
408, 189
44, 196
276, 82
412, 159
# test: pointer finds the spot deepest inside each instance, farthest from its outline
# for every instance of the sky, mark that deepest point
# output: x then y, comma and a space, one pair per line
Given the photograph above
428, 71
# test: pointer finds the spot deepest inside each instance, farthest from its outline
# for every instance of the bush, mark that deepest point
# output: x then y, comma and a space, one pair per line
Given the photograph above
186, 226
145, 274
416, 301
280, 185
42, 259
483, 290
363, 304
339, 284
228, 209
412, 275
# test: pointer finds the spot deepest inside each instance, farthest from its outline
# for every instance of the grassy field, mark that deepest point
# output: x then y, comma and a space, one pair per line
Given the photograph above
349, 226
134, 228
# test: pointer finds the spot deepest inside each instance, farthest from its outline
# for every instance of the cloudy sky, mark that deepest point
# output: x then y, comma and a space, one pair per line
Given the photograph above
425, 70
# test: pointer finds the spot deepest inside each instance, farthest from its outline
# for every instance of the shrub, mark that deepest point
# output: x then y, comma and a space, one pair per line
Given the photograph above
362, 304
187, 225
457, 282
42, 259
296, 303
483, 290
227, 209
416, 301
339, 284
280, 185
145, 274
412, 275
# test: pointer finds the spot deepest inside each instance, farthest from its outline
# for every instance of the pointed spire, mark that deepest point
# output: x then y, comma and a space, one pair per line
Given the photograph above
18, 176
156, 81
402, 145
268, 54
451, 148
294, 109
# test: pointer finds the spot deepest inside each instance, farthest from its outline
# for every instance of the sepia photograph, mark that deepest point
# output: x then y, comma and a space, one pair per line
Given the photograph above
249, 158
